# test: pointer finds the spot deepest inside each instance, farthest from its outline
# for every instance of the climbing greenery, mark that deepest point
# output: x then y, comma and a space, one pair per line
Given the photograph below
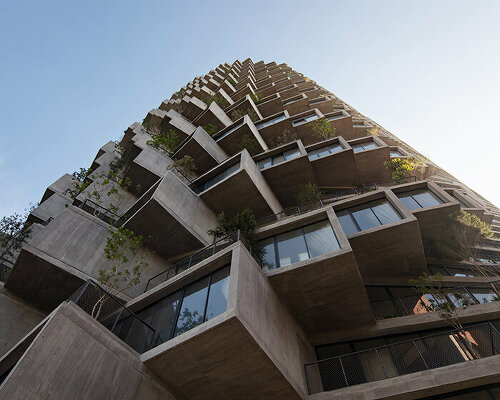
244, 221
402, 168
211, 129
308, 193
285, 137
322, 128
164, 141
187, 166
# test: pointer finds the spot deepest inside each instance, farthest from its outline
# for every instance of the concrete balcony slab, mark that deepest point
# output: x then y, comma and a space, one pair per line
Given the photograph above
232, 138
213, 115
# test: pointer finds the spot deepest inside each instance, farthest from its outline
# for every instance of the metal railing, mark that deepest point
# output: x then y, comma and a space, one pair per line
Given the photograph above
471, 270
415, 304
405, 357
99, 211
110, 312
328, 198
194, 259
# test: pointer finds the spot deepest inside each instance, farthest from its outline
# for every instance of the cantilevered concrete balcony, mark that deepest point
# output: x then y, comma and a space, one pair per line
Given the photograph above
313, 92
431, 205
270, 128
237, 178
245, 104
192, 107
232, 138
154, 118
267, 90
69, 250
203, 149
334, 164
322, 288
178, 124
323, 103
285, 168
61, 186
289, 91
383, 234
247, 89
270, 105
296, 105
304, 126
370, 153
341, 121
361, 127
213, 116
171, 218
250, 345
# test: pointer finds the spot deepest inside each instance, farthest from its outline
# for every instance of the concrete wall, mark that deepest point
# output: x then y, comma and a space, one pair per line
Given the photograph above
267, 319
73, 357
17, 318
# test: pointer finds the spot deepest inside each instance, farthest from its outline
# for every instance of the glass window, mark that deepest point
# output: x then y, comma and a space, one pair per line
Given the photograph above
320, 239
165, 316
291, 154
265, 163
193, 306
219, 289
367, 216
298, 245
271, 122
219, 177
285, 156
347, 223
419, 199
292, 247
364, 146
304, 120
324, 151
484, 295
336, 116
267, 253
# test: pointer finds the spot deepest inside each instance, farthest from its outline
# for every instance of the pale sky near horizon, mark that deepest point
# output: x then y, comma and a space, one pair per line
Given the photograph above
74, 75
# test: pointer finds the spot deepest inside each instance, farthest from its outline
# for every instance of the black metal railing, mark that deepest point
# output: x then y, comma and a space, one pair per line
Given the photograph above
110, 312
406, 357
468, 270
327, 198
479, 293
99, 211
194, 259
5, 269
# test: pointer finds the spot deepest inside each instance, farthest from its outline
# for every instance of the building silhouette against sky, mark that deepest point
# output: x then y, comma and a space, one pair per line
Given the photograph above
315, 304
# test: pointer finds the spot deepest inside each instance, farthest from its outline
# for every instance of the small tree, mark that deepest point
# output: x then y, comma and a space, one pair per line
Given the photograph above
401, 168
256, 97
14, 232
126, 269
246, 142
322, 128
186, 166
211, 129
237, 114
244, 221
285, 137
307, 194
164, 141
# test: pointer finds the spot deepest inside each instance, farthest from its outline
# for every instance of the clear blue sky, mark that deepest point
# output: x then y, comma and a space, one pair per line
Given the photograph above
74, 75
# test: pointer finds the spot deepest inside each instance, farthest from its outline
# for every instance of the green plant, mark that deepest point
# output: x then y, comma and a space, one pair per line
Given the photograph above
211, 129
285, 137
14, 231
186, 166
164, 141
244, 221
447, 304
322, 128
246, 142
214, 98
231, 80
472, 221
256, 97
374, 131
237, 114
401, 168
121, 250
308, 193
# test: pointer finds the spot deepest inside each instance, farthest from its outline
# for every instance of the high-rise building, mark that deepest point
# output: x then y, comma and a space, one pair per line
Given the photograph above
134, 285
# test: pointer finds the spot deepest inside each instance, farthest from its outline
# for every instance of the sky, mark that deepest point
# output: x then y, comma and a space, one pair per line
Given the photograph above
76, 74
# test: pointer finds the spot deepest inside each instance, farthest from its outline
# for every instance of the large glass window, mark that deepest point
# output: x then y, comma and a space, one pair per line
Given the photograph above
271, 121
219, 177
419, 199
367, 216
364, 146
298, 245
304, 120
188, 307
396, 153
279, 158
325, 151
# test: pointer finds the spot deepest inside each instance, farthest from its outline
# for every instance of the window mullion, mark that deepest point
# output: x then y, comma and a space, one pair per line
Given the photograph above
206, 299
181, 301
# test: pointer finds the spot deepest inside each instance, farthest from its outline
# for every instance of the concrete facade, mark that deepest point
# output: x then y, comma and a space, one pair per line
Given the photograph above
318, 281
